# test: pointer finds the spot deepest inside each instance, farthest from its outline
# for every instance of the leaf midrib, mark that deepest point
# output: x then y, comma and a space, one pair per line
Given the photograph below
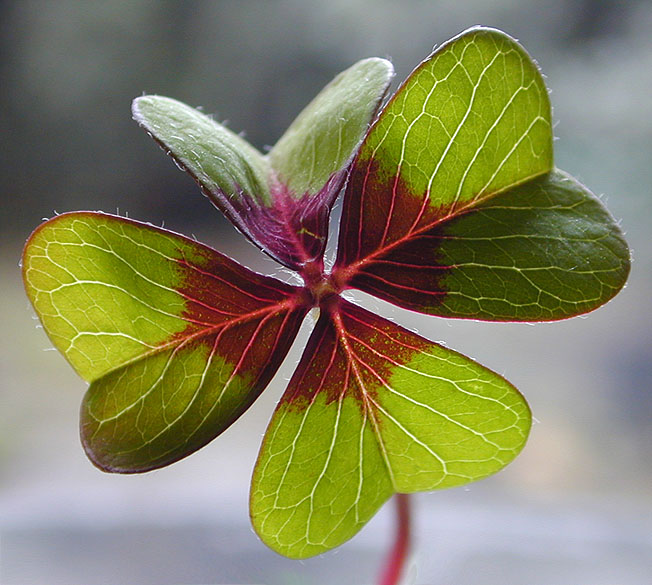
340, 329
355, 267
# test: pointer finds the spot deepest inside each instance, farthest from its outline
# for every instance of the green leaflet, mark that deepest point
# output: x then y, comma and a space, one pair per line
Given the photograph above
317, 144
541, 251
281, 202
104, 289
155, 411
176, 339
319, 479
472, 120
374, 409
324, 137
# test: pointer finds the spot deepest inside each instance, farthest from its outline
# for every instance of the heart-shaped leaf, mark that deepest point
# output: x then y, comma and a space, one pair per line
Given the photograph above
371, 410
176, 339
281, 201
453, 207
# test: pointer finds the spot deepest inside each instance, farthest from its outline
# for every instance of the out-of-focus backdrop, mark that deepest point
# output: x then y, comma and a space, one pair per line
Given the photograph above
574, 508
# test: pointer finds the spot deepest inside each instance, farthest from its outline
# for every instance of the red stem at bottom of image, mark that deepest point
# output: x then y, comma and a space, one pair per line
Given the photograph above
394, 568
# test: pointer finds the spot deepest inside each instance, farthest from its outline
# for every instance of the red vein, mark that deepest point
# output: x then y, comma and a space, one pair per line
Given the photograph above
432, 293
355, 266
289, 305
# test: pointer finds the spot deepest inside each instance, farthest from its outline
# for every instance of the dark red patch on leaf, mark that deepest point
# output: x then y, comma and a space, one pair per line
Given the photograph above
257, 316
380, 212
321, 369
218, 290
351, 351
385, 246
411, 275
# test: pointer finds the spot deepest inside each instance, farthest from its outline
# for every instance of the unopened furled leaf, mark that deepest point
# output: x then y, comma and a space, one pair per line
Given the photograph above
176, 339
225, 165
324, 137
371, 410
282, 201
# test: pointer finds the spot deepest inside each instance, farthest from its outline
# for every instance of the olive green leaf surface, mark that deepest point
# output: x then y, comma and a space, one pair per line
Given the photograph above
176, 339
282, 200
452, 207
542, 251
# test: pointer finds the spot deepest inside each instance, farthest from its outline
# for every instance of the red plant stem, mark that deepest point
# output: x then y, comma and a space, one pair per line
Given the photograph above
395, 563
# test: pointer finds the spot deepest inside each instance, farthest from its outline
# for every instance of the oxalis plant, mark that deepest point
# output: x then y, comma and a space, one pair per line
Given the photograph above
452, 207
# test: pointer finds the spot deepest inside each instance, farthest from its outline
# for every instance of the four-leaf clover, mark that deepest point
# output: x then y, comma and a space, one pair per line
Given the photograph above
452, 207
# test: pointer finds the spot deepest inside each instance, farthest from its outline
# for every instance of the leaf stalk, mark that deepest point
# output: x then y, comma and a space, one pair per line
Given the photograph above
395, 563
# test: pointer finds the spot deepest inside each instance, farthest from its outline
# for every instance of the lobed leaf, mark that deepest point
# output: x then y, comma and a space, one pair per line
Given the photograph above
176, 339
471, 121
544, 250
371, 410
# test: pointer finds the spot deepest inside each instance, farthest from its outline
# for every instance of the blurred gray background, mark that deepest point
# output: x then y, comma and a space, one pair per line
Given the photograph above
573, 509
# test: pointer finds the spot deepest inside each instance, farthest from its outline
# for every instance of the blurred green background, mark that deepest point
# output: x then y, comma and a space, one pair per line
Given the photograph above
575, 507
